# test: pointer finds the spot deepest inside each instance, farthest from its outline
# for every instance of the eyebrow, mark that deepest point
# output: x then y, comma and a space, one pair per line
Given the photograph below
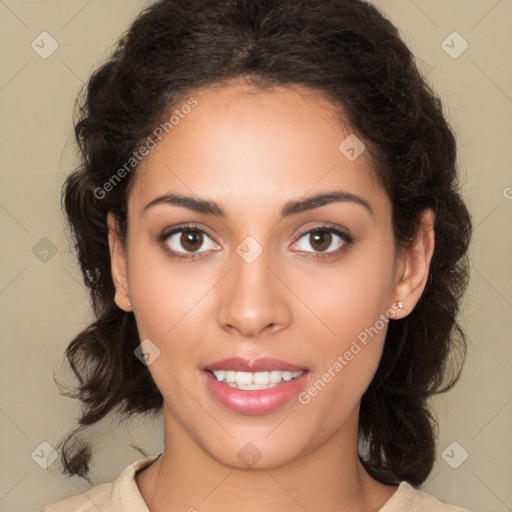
289, 208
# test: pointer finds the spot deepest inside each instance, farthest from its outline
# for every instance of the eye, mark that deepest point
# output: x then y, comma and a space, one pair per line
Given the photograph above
320, 238
185, 241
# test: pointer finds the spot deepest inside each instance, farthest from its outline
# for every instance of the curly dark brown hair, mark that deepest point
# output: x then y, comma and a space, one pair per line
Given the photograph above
349, 52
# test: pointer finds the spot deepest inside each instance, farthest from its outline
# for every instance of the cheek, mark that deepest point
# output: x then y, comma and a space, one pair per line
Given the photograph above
350, 304
345, 299
167, 294
167, 303
335, 390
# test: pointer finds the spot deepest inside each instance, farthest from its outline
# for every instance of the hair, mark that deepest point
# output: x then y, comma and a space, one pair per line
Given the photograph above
351, 54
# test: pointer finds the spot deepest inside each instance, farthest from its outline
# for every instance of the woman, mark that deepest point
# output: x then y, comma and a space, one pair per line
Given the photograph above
268, 218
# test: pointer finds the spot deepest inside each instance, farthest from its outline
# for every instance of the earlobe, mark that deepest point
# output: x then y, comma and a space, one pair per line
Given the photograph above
118, 265
416, 266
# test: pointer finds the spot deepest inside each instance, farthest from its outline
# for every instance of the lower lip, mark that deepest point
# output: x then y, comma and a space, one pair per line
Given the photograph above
254, 402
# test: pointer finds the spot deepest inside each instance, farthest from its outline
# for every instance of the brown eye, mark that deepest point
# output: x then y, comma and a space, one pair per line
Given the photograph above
186, 241
320, 240
191, 240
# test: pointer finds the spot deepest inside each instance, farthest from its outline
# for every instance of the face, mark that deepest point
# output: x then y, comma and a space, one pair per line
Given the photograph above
255, 287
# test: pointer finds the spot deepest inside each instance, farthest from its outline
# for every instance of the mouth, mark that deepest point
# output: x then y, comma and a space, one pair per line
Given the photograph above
255, 386
252, 381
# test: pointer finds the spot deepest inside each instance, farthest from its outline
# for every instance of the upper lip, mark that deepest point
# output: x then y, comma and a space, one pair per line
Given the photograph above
261, 364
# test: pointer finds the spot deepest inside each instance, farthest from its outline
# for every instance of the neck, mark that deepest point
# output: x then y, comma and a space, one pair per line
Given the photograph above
328, 479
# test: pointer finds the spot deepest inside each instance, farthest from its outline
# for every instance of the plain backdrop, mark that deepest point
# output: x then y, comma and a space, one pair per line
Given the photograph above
44, 304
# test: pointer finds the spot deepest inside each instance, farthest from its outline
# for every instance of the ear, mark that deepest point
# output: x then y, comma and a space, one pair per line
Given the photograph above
118, 264
413, 266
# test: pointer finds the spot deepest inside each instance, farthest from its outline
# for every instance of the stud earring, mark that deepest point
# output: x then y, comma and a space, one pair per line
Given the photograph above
399, 304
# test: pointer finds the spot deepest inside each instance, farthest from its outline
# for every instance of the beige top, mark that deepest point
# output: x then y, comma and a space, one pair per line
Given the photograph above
123, 496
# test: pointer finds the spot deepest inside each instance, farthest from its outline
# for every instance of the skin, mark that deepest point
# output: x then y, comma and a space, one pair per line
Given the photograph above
251, 151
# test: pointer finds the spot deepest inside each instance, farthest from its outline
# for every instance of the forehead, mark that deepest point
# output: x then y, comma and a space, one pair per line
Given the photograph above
240, 144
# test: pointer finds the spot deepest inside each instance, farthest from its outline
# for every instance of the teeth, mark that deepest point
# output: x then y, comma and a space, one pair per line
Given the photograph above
254, 380
261, 378
221, 375
275, 376
244, 378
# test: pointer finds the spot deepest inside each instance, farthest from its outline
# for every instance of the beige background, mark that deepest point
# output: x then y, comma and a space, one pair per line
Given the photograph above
43, 303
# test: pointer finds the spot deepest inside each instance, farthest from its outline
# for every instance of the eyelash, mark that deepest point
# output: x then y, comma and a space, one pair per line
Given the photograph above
163, 237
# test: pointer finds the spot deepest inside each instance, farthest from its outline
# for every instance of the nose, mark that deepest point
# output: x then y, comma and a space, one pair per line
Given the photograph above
253, 299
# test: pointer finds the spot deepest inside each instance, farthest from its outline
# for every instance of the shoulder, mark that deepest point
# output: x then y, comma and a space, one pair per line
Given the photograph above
97, 497
408, 499
108, 497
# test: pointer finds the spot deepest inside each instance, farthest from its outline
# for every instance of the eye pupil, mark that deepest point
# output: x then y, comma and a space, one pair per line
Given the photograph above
324, 239
191, 240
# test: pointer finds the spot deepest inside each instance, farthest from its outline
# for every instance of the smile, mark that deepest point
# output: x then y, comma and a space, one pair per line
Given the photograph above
255, 380
254, 386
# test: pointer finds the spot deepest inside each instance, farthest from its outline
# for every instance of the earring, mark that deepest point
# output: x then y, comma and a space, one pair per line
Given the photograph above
399, 304
129, 304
